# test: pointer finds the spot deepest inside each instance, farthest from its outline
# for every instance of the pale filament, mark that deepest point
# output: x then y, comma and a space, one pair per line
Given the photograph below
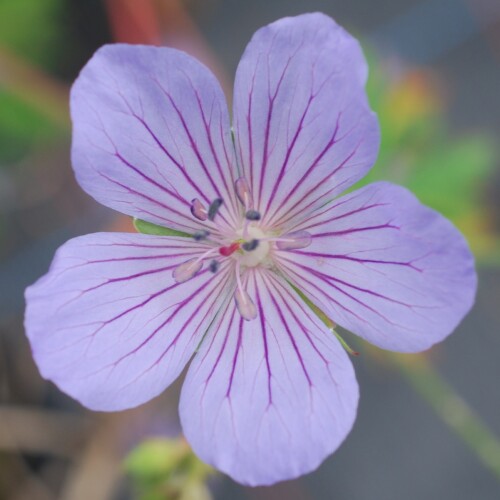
244, 303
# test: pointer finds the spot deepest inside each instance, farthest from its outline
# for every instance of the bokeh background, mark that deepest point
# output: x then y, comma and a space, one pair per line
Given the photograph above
426, 425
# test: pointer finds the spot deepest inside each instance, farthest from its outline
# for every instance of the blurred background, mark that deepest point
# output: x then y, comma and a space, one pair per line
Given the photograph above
426, 424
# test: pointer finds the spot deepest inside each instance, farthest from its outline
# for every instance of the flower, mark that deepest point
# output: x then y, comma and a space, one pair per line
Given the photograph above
270, 391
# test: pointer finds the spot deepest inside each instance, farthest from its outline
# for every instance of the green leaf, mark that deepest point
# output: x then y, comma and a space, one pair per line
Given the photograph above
148, 228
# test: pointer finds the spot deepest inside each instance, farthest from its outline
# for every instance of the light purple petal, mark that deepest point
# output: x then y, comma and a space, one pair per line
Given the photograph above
109, 325
150, 133
269, 399
385, 267
304, 130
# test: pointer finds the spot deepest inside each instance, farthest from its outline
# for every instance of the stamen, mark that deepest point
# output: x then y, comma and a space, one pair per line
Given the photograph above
214, 266
187, 270
243, 192
227, 251
201, 235
248, 246
294, 240
252, 215
214, 208
244, 303
198, 210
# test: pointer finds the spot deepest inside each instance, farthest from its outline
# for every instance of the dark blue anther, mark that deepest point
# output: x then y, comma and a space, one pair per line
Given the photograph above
252, 215
201, 235
248, 246
214, 208
214, 266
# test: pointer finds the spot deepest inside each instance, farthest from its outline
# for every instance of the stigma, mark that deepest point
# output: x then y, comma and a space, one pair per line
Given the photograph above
256, 247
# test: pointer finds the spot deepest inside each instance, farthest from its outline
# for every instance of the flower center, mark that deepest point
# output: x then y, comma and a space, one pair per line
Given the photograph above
256, 256
248, 248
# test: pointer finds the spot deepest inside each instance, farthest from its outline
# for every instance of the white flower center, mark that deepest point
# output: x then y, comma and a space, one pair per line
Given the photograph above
259, 254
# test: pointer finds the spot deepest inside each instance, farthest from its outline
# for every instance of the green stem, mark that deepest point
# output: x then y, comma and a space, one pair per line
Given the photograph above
429, 384
452, 409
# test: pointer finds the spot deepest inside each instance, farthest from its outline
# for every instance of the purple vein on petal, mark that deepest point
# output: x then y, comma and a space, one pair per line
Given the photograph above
182, 304
262, 320
228, 187
194, 147
270, 105
293, 298
292, 339
148, 198
219, 288
328, 280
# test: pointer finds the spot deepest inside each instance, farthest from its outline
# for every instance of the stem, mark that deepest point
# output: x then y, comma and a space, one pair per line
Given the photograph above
453, 410
428, 383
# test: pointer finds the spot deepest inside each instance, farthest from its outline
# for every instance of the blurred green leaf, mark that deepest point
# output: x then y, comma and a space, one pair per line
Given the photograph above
33, 29
417, 151
164, 468
452, 176
22, 128
156, 458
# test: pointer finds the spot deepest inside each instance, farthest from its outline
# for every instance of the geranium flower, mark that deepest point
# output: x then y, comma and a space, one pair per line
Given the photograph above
270, 391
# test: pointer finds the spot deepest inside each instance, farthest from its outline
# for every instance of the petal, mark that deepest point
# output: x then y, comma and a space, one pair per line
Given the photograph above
304, 130
150, 133
385, 267
109, 325
269, 399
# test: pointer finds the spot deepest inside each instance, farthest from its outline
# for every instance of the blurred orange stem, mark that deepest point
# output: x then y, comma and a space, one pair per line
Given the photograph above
33, 86
133, 21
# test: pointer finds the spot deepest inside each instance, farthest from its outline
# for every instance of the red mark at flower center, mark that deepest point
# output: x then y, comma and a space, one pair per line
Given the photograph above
230, 249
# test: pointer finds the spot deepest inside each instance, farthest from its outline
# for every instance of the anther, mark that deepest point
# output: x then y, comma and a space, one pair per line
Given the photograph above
252, 215
248, 246
201, 235
245, 305
214, 266
294, 240
243, 192
214, 208
187, 270
198, 210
